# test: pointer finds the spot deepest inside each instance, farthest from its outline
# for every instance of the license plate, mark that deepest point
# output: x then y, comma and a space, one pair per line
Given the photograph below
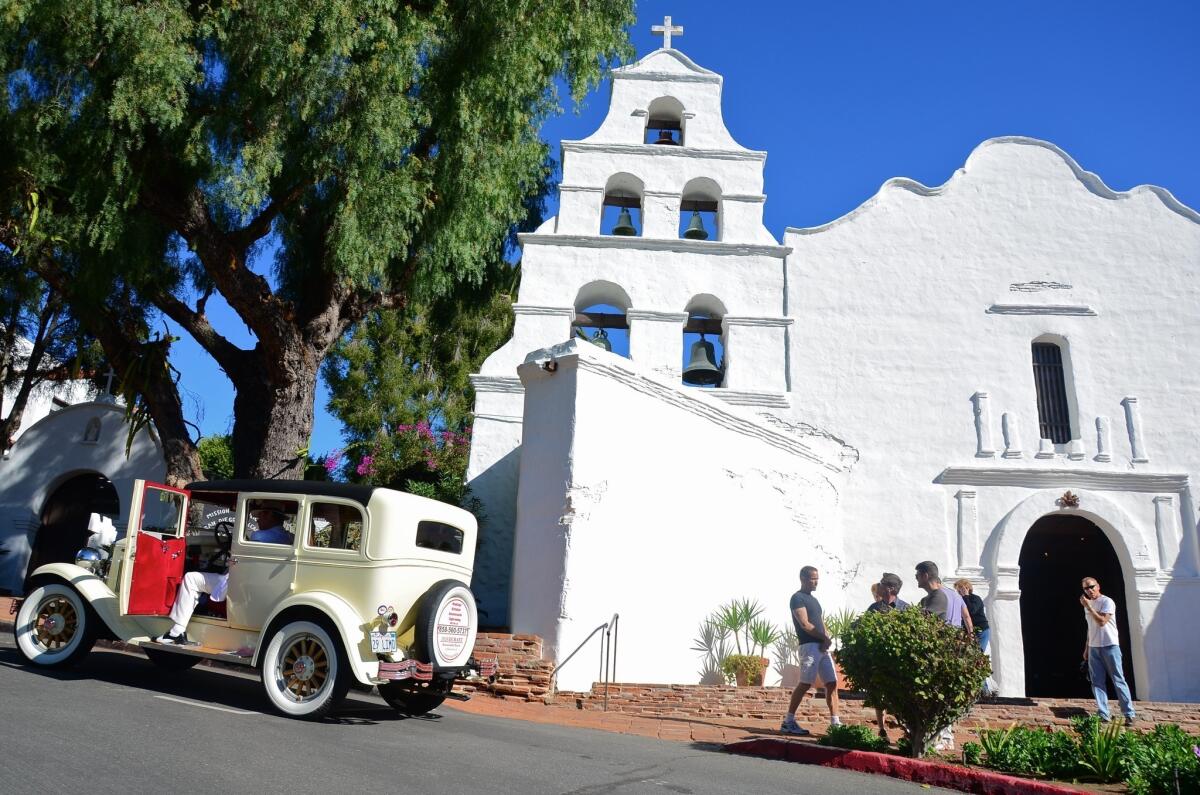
383, 642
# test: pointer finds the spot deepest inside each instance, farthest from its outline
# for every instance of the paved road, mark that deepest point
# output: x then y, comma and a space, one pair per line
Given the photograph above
116, 724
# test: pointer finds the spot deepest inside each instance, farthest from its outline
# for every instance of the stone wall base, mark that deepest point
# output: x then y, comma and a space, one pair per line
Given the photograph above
522, 674
702, 702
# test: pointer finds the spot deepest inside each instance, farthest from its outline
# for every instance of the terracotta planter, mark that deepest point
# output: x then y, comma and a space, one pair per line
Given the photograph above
742, 681
790, 677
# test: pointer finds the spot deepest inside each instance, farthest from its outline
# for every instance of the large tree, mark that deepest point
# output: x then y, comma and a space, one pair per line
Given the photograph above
368, 153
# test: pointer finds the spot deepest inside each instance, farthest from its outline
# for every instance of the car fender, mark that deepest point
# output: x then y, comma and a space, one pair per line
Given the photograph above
349, 625
101, 598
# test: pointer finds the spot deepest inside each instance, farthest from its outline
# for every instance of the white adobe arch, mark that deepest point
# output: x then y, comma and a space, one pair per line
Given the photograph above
706, 304
602, 291
1130, 545
666, 112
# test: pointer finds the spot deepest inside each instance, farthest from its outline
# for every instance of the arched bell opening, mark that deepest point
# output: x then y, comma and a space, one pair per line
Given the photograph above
621, 213
664, 122
63, 530
1058, 552
600, 318
699, 210
704, 344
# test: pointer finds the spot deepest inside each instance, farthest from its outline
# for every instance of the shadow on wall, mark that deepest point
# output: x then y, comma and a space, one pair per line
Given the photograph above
1173, 635
492, 579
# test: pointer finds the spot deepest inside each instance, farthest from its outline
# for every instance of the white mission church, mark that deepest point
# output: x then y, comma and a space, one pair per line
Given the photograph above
925, 378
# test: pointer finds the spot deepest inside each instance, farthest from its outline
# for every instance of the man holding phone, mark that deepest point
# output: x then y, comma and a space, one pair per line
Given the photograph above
1102, 650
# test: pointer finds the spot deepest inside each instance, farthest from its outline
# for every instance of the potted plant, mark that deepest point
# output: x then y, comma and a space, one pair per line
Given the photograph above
741, 620
713, 643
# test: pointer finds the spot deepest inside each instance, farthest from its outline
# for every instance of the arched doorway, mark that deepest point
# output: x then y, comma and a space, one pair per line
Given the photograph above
64, 520
1059, 551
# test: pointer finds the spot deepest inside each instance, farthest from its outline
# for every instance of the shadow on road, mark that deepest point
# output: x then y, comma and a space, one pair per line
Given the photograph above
224, 688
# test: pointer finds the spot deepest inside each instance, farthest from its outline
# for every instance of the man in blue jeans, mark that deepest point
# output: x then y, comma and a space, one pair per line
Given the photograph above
1102, 653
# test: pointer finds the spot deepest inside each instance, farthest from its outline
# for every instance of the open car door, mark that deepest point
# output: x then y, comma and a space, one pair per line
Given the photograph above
154, 549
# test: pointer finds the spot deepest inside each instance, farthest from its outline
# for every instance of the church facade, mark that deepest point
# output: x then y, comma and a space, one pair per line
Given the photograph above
991, 374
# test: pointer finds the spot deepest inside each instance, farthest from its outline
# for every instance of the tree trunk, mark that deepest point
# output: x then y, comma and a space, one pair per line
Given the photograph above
273, 422
11, 423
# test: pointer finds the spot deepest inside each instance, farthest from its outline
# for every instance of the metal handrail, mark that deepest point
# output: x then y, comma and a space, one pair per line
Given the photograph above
608, 654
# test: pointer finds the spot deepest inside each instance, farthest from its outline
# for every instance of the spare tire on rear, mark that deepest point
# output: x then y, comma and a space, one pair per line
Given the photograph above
447, 623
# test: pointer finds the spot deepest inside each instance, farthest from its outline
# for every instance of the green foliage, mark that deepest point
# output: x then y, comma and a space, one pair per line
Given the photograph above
1163, 761
309, 163
216, 457
1033, 752
750, 667
742, 618
1102, 753
855, 738
923, 671
972, 753
837, 623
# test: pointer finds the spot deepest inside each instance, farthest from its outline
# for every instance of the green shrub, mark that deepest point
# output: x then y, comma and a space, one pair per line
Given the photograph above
751, 668
1102, 753
855, 738
1031, 752
920, 669
1163, 761
972, 753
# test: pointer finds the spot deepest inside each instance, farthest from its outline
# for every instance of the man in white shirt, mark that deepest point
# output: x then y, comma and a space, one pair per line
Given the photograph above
1102, 650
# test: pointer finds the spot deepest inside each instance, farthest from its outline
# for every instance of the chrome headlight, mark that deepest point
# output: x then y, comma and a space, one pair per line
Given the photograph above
88, 558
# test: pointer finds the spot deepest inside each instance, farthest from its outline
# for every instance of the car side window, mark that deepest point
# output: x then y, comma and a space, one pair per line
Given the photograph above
335, 526
439, 536
270, 521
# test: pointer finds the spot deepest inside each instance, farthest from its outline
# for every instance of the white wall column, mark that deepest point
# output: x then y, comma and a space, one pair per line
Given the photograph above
656, 340
1012, 436
982, 410
756, 353
1133, 423
968, 535
1103, 439
1166, 526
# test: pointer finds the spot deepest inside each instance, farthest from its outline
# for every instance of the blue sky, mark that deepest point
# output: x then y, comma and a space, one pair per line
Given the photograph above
845, 95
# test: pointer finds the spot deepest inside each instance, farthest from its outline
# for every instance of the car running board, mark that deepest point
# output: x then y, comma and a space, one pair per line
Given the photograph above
204, 652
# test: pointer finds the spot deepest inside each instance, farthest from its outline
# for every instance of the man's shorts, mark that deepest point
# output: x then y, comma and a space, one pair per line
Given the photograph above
816, 665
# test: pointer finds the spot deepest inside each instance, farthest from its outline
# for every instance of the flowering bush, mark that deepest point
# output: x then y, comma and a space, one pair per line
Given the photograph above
415, 458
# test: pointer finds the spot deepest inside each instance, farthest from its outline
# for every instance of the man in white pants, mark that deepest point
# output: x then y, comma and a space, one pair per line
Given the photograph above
215, 585
816, 663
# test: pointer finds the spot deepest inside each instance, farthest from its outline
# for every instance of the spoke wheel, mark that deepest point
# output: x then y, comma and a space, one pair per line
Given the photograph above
304, 670
55, 627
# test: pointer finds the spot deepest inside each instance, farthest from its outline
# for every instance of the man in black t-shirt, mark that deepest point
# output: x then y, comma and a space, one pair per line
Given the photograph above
815, 661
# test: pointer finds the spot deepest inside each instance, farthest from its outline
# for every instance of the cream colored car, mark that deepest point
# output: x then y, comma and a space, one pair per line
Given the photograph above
348, 584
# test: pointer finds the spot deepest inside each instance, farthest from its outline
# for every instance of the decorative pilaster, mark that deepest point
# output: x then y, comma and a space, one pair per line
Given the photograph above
968, 534
1075, 450
1166, 527
1045, 449
1133, 423
1103, 443
983, 425
1012, 437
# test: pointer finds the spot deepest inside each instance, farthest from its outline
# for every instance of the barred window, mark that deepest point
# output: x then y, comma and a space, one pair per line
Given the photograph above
1054, 414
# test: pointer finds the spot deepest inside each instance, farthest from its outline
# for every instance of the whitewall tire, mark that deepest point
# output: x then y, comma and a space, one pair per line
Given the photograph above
304, 670
55, 627
447, 624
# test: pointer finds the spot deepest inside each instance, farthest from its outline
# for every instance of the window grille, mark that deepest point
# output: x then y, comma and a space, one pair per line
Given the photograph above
1054, 416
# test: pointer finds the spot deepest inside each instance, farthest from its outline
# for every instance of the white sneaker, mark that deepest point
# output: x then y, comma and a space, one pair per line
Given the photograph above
791, 727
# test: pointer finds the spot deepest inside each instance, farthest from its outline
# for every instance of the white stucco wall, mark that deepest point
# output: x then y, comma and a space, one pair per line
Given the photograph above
656, 502
52, 451
921, 299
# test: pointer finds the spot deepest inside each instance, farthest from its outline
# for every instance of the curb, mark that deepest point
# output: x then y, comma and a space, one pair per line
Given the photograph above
918, 771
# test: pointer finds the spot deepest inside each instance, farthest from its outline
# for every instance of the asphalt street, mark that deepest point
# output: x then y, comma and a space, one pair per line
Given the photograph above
118, 724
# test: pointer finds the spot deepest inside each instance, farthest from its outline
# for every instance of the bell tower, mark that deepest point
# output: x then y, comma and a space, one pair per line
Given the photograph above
660, 221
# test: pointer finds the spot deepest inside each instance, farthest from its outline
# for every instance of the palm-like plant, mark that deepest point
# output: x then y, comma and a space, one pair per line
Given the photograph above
737, 615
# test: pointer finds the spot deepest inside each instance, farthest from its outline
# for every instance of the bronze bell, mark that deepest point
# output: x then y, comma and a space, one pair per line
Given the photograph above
696, 230
665, 137
624, 225
600, 340
701, 369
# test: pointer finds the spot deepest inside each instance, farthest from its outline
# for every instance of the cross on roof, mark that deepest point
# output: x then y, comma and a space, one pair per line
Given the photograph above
665, 30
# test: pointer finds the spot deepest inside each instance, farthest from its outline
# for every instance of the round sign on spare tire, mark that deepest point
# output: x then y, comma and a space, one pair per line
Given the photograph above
447, 622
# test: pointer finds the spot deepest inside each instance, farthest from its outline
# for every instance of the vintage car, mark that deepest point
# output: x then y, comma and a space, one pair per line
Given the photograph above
350, 584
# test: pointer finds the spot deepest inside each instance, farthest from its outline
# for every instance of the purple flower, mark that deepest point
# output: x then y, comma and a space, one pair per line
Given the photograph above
333, 461
366, 466
1196, 751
